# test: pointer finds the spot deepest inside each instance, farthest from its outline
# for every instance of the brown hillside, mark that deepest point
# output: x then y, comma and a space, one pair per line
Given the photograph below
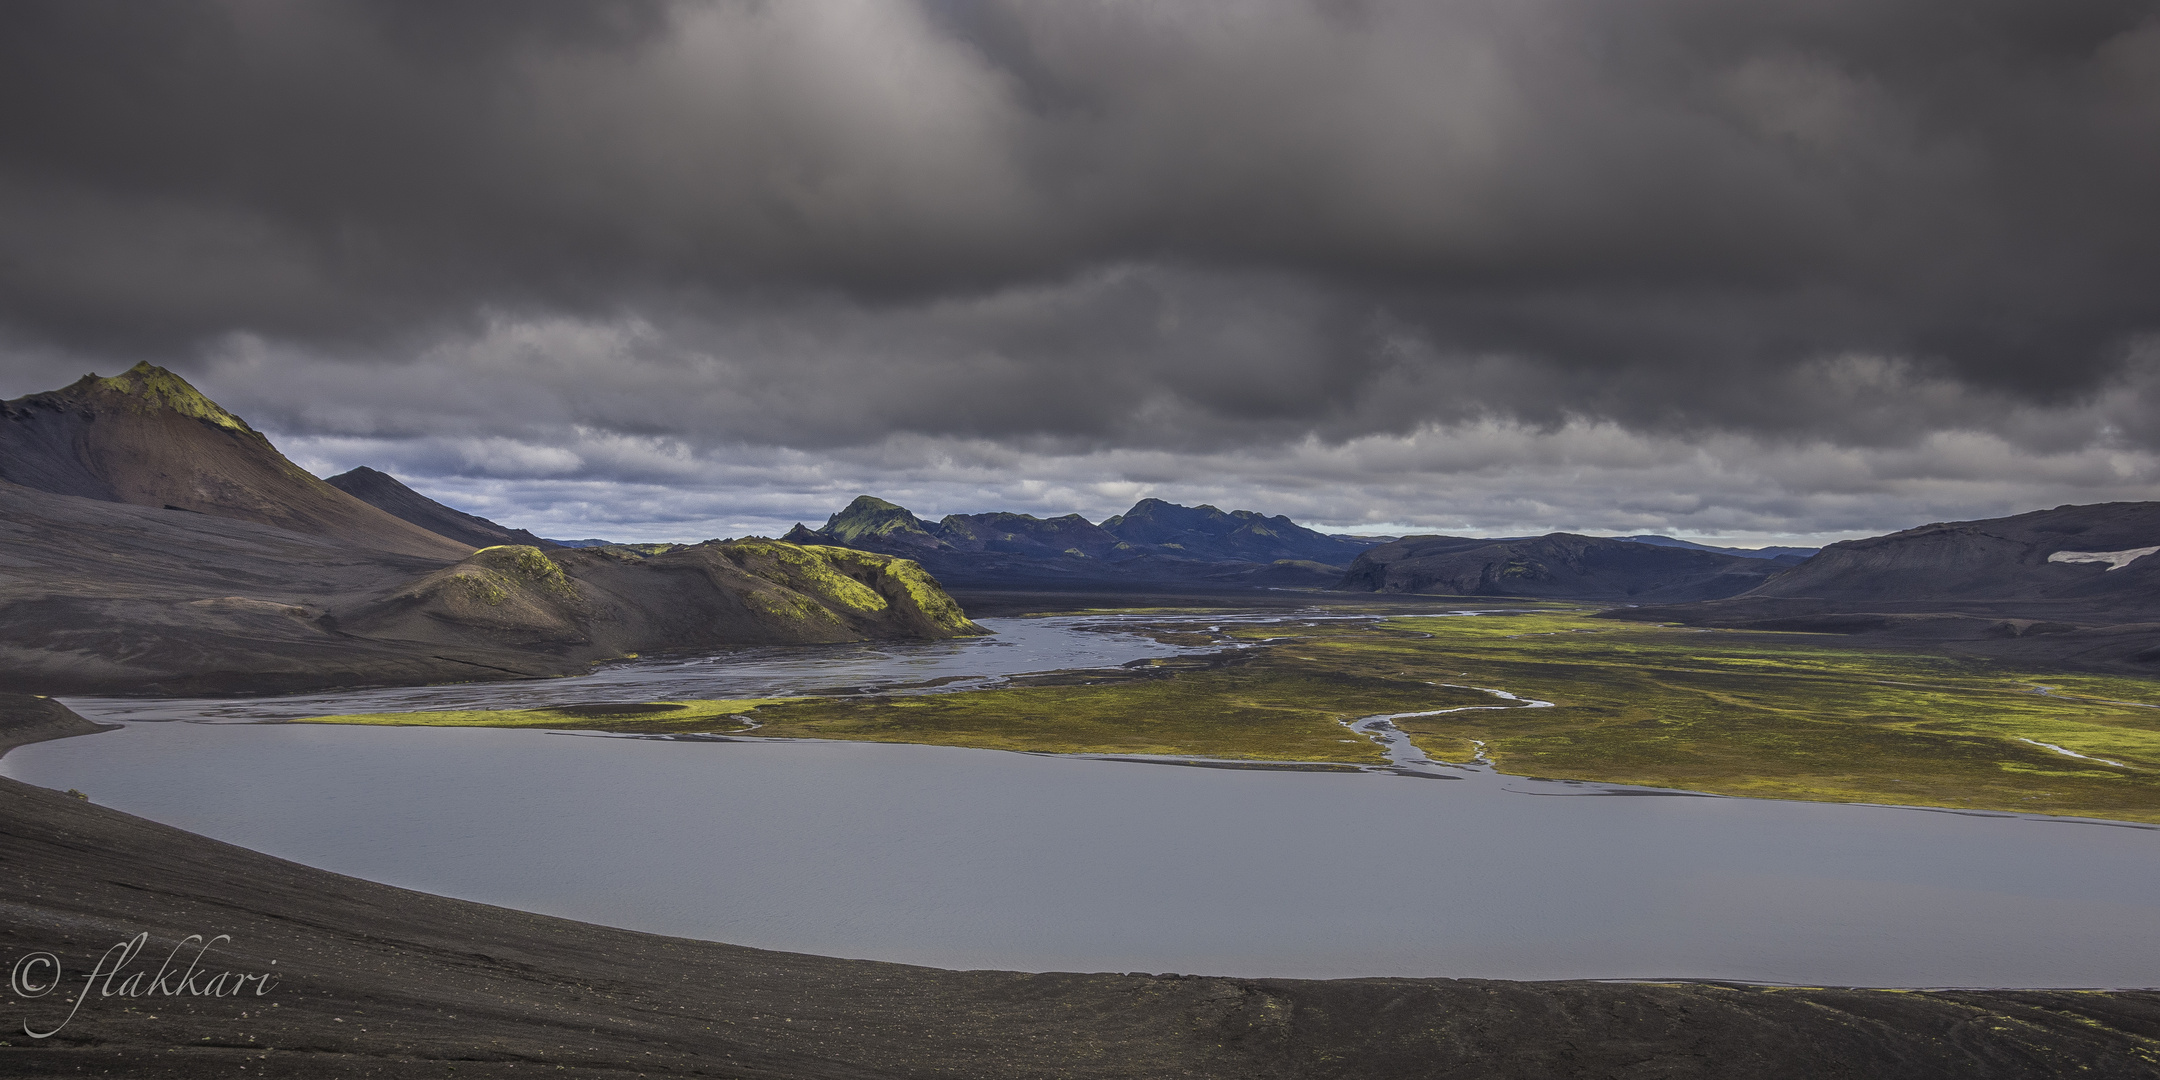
148, 438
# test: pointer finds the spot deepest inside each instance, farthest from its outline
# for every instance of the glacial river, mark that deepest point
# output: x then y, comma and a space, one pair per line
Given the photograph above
983, 859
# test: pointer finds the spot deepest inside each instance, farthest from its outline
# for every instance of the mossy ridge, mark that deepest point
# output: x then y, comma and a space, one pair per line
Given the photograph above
688, 716
915, 583
526, 563
861, 584
809, 570
149, 386
494, 575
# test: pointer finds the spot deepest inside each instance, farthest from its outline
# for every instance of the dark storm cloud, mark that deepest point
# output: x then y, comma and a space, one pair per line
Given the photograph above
1071, 228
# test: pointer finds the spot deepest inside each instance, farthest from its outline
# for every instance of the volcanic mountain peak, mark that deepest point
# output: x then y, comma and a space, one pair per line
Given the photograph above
147, 437
149, 387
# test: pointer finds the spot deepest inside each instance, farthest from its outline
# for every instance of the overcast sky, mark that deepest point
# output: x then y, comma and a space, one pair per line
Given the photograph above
1780, 270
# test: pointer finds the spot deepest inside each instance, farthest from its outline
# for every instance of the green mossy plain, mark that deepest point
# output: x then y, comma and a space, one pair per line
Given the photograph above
713, 715
1255, 711
1779, 715
1766, 715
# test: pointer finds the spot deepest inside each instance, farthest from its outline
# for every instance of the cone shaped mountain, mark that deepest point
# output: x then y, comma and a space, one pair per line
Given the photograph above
148, 438
390, 495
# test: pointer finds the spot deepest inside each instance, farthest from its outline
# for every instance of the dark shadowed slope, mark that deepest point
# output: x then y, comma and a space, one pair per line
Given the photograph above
148, 438
1025, 534
1203, 532
386, 493
2095, 555
2075, 586
1559, 566
110, 597
378, 981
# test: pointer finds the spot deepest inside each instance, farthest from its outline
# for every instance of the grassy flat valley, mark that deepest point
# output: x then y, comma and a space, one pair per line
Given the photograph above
1773, 715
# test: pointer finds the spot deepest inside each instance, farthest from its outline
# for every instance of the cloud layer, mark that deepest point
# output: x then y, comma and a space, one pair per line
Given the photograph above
1798, 268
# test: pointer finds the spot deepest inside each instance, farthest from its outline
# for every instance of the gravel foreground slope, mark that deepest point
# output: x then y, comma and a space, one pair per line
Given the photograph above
379, 981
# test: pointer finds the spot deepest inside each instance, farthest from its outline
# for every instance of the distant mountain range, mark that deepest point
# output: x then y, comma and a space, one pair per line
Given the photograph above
1161, 544
1154, 542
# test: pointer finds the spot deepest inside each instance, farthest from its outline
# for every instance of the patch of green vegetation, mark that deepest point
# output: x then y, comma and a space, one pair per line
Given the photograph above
482, 586
1239, 711
1778, 715
652, 716
154, 387
491, 573
923, 592
814, 570
643, 551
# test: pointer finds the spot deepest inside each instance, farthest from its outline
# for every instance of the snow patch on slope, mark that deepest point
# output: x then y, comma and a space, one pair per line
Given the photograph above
2116, 560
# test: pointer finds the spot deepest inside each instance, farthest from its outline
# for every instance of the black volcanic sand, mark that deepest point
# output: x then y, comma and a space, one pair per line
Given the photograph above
378, 981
